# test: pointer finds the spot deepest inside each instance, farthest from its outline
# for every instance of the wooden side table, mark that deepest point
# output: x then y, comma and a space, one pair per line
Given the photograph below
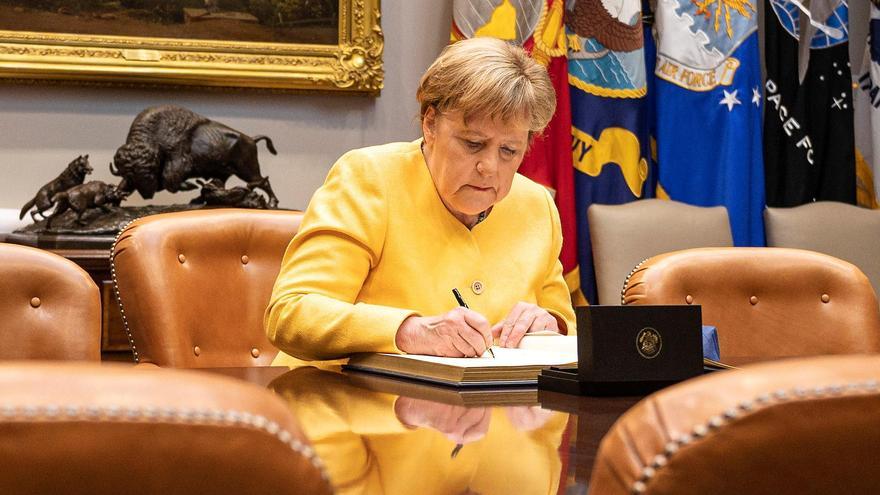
97, 263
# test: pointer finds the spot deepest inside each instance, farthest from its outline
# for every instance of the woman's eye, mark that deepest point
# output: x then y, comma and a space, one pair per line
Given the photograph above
474, 145
508, 152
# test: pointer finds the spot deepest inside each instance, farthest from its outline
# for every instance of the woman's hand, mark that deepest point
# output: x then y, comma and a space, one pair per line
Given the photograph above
523, 318
457, 423
457, 333
528, 418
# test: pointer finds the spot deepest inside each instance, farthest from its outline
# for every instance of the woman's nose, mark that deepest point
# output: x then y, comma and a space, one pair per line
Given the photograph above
486, 166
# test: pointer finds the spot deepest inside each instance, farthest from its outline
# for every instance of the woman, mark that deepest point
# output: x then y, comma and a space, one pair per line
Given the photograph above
396, 227
373, 441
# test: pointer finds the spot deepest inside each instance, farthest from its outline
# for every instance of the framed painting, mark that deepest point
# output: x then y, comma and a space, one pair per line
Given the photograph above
321, 45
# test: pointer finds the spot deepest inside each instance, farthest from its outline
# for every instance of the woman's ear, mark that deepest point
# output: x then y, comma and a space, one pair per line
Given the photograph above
429, 123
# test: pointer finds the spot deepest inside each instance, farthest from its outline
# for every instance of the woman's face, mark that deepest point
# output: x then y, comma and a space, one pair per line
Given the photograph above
472, 163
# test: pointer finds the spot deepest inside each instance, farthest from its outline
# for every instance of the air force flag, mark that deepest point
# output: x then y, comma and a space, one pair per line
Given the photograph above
708, 107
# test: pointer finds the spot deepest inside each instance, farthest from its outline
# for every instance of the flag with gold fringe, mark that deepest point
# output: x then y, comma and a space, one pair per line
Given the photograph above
537, 25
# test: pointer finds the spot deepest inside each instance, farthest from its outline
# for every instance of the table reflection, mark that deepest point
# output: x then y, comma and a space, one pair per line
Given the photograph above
384, 436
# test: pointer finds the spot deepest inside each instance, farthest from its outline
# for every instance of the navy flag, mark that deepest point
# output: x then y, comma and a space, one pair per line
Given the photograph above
610, 144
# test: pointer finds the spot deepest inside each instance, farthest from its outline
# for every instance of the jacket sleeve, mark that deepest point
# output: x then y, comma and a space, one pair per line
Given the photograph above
313, 313
554, 295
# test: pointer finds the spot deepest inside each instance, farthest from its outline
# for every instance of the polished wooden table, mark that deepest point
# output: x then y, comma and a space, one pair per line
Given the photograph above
385, 435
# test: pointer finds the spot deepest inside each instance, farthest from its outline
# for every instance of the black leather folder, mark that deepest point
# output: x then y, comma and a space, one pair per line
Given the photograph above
631, 350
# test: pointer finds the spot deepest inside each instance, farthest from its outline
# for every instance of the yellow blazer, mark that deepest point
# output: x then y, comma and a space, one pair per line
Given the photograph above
377, 245
367, 450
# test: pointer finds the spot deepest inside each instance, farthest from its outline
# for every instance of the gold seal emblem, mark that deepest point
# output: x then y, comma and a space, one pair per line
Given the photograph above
649, 343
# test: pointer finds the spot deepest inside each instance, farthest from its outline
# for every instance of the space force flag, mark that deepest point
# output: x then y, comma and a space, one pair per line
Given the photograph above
708, 109
809, 149
610, 145
866, 98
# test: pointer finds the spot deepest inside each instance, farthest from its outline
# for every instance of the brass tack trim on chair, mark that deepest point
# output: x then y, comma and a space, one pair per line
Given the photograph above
113, 277
161, 415
626, 280
701, 431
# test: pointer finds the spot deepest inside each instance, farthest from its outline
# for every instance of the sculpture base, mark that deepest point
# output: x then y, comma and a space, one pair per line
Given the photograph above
99, 231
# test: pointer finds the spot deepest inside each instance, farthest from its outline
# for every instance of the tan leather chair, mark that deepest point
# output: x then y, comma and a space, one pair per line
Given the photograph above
845, 231
193, 285
90, 429
49, 307
766, 302
623, 235
801, 426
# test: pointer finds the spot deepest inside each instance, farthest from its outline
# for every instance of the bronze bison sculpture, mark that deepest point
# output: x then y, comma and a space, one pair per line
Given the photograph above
169, 145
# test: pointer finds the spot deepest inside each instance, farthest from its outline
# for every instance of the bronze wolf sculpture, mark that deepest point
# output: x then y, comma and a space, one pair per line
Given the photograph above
168, 145
81, 198
73, 175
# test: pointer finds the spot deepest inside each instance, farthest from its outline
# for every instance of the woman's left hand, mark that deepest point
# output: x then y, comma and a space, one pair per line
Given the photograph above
522, 319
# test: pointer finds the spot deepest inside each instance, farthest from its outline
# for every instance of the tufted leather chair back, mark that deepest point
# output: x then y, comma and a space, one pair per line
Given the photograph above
797, 426
90, 429
844, 231
766, 302
623, 235
193, 285
49, 307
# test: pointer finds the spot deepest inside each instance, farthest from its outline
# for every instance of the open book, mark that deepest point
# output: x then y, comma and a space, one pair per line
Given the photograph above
713, 365
519, 366
489, 396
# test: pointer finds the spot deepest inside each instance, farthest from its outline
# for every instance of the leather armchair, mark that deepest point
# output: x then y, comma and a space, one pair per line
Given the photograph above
623, 235
766, 302
800, 426
90, 429
49, 307
193, 285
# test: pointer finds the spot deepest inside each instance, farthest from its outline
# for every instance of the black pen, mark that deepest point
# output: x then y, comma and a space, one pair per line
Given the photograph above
463, 304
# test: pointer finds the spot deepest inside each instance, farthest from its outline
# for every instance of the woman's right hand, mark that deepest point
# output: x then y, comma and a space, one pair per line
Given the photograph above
458, 423
458, 333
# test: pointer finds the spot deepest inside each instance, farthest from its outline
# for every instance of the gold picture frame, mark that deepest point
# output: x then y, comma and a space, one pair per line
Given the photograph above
354, 64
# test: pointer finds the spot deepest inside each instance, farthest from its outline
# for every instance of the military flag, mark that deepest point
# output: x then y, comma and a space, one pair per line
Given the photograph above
610, 146
537, 26
708, 109
809, 149
866, 99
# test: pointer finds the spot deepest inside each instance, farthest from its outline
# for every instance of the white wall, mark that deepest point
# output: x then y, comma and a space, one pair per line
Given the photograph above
42, 128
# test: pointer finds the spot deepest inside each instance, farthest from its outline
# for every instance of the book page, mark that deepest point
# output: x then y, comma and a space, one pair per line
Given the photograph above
534, 350
548, 341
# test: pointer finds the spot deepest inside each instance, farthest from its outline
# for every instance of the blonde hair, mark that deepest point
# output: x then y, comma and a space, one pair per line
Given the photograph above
488, 77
